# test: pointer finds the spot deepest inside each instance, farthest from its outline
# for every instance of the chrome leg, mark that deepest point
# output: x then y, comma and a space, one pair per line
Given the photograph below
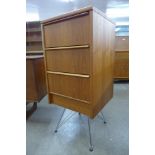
56, 130
90, 136
103, 117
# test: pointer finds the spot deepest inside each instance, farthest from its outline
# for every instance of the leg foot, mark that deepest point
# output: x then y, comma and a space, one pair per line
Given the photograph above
91, 149
103, 118
56, 130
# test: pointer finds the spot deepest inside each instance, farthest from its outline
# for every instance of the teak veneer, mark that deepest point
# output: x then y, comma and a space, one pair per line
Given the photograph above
79, 54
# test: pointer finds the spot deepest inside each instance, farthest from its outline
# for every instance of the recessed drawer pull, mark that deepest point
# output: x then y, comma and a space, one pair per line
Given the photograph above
67, 47
69, 74
69, 97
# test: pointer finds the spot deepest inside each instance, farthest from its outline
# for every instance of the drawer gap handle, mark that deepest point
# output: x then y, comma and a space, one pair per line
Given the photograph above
69, 97
69, 74
67, 47
64, 18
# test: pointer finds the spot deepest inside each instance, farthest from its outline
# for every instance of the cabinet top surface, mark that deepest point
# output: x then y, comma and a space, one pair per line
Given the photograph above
74, 12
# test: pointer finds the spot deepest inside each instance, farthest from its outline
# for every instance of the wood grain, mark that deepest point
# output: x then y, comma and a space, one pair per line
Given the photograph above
63, 33
71, 61
75, 105
74, 87
68, 97
103, 57
67, 47
80, 79
77, 12
69, 74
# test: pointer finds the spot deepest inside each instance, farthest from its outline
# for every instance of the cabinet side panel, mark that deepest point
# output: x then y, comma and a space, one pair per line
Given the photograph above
103, 56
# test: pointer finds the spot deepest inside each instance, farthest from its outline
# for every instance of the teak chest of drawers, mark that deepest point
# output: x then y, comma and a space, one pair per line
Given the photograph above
79, 52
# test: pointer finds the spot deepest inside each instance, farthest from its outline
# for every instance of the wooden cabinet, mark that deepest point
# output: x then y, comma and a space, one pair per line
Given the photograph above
33, 38
79, 54
35, 78
121, 65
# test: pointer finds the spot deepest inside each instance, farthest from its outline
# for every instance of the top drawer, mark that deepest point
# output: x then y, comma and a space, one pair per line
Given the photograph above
68, 32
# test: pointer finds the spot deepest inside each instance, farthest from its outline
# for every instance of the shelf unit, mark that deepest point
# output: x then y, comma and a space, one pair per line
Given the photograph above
33, 38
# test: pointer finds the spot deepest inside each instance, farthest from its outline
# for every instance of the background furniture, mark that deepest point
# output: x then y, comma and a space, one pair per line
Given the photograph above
33, 38
121, 65
79, 54
35, 80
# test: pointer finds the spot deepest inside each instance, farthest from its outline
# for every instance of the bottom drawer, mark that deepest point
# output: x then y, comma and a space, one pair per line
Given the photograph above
74, 105
76, 88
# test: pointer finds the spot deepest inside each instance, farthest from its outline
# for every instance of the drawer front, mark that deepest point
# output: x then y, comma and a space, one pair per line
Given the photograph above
76, 88
70, 60
72, 104
74, 31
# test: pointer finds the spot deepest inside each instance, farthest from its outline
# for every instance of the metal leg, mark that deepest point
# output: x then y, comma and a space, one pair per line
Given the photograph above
61, 122
56, 130
66, 119
90, 138
103, 118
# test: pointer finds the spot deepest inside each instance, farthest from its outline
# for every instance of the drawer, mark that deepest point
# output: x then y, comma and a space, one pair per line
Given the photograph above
69, 60
76, 88
68, 32
71, 104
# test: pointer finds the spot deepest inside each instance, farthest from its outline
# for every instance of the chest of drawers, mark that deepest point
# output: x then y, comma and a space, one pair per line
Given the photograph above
79, 52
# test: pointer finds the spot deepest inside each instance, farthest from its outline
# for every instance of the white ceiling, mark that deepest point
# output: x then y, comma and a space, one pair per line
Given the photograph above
117, 10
